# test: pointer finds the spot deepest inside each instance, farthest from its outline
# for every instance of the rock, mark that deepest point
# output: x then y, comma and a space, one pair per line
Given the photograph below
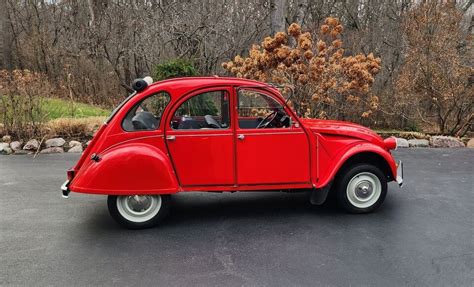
21, 151
6, 139
5, 148
446, 142
74, 143
418, 143
16, 145
401, 143
7, 151
4, 145
470, 143
32, 145
55, 142
53, 149
77, 148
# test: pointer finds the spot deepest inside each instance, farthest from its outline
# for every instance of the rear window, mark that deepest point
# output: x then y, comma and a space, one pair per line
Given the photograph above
146, 115
114, 112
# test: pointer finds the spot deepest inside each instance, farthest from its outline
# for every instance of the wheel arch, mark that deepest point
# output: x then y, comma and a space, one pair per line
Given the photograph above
368, 157
127, 169
360, 153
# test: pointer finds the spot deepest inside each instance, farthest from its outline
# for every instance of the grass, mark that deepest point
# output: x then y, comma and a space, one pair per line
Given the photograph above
53, 117
58, 108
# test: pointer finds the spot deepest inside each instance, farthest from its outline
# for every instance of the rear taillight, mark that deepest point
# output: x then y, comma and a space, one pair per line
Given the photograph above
70, 174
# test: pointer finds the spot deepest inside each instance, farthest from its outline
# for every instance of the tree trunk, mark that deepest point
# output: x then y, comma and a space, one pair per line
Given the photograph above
90, 5
277, 15
301, 10
6, 59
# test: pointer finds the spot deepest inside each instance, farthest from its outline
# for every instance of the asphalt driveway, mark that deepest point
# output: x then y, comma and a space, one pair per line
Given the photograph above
422, 236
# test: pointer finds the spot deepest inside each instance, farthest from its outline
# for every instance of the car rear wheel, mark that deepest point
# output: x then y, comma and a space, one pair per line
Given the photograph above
138, 211
361, 188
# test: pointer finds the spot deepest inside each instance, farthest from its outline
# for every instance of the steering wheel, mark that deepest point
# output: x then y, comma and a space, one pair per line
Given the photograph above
267, 120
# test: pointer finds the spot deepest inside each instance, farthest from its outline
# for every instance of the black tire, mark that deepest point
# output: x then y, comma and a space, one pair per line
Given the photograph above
127, 223
347, 198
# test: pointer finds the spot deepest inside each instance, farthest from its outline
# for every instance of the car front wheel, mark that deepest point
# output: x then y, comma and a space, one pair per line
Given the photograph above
138, 211
361, 188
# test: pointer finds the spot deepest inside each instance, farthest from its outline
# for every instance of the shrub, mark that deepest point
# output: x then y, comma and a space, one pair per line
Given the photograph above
185, 68
326, 82
174, 68
21, 111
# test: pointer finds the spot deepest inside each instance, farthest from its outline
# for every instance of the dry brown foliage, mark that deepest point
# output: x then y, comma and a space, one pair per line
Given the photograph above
20, 106
435, 82
326, 82
82, 128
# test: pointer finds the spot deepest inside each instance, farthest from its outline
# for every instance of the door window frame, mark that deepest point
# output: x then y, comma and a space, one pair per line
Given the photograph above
266, 92
189, 95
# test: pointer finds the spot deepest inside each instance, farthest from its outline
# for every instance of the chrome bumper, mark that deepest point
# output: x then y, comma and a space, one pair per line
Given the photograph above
65, 189
399, 178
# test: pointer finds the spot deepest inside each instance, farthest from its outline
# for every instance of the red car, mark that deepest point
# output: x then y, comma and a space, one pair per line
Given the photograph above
226, 134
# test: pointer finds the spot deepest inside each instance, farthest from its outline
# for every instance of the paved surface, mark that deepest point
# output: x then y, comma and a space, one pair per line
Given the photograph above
422, 236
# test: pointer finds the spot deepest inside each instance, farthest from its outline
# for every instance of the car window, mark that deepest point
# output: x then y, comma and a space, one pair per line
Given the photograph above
257, 110
209, 110
146, 115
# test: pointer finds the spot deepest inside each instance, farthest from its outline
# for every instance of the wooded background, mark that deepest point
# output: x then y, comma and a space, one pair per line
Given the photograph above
92, 49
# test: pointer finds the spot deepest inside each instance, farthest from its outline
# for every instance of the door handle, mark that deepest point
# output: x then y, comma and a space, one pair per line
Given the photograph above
171, 138
240, 137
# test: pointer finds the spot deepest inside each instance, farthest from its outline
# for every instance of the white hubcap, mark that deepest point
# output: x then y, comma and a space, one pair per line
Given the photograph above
139, 208
364, 190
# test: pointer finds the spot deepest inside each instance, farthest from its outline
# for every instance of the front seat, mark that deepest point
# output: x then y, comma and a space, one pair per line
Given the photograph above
211, 122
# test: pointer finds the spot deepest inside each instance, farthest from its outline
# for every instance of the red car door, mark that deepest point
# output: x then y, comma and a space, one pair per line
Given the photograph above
271, 148
200, 139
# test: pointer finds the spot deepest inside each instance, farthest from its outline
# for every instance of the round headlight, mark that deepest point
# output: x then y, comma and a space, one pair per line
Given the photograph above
390, 143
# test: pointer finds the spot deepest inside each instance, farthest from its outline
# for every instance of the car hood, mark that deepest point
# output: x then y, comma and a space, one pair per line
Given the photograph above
341, 128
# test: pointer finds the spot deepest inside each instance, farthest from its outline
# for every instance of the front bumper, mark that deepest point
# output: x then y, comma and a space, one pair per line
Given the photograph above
65, 189
399, 178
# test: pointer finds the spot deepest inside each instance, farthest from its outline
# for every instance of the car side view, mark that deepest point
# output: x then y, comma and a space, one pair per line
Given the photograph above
226, 135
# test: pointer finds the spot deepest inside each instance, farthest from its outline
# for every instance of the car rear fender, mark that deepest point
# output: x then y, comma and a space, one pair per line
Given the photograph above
127, 169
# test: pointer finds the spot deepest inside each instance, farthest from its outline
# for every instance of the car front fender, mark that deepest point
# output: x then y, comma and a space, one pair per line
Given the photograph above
363, 149
127, 169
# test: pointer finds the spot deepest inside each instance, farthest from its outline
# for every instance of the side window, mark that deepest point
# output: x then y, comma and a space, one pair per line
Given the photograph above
257, 110
208, 110
146, 115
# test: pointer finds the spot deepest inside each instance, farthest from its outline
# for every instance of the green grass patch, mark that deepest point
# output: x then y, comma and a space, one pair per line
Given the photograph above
58, 108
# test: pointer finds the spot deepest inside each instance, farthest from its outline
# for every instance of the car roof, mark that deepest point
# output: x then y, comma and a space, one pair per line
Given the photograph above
213, 80
180, 86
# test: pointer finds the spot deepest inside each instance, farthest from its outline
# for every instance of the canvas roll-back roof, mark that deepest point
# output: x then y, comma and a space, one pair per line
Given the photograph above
180, 86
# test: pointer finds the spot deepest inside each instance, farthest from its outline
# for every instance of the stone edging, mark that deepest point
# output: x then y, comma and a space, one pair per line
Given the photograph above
33, 146
59, 145
434, 142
